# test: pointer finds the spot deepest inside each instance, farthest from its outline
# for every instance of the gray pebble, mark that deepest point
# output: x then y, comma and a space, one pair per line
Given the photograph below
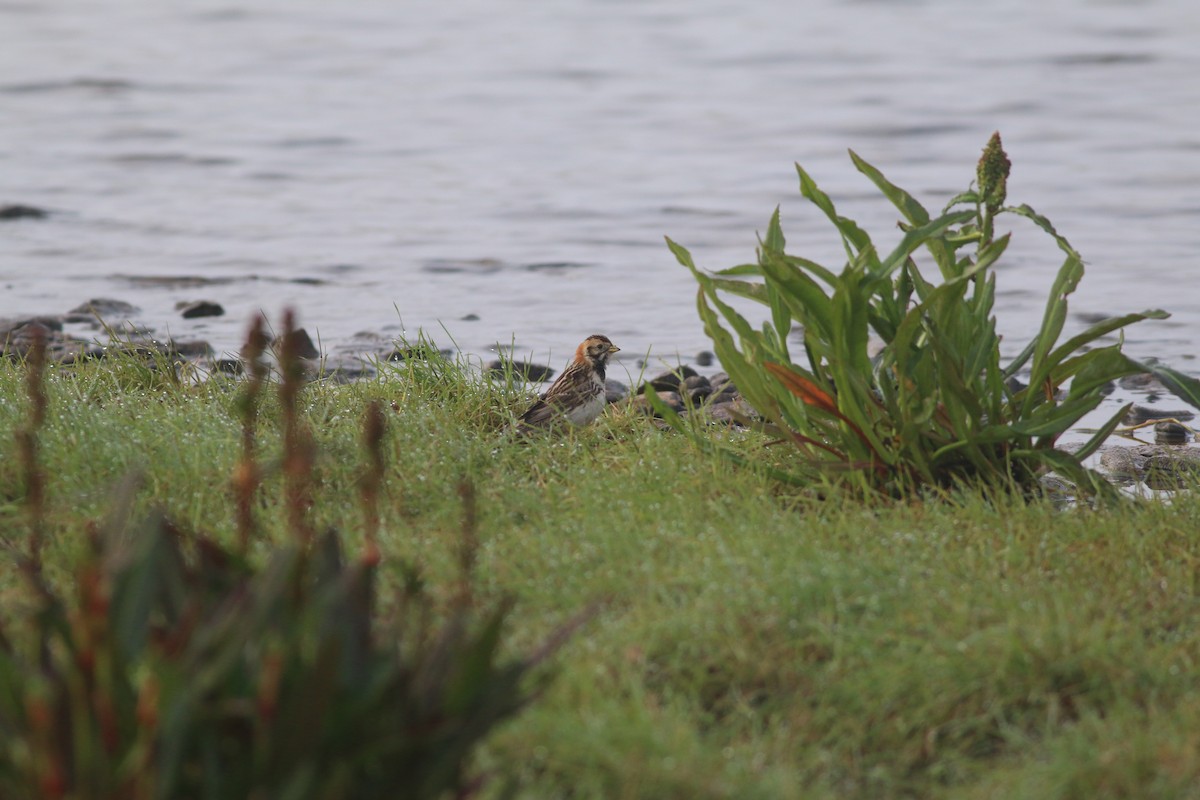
200, 308
615, 391
1139, 414
1170, 433
533, 373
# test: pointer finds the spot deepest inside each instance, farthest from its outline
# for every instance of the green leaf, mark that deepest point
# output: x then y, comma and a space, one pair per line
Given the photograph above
1052, 323
1094, 369
916, 237
991, 252
1052, 420
1103, 328
913, 211
774, 241
969, 198
1102, 433
810, 305
750, 270
823, 273
1182, 386
751, 291
1043, 223
854, 238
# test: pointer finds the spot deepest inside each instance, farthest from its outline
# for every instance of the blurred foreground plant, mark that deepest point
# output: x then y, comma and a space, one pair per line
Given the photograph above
175, 667
934, 406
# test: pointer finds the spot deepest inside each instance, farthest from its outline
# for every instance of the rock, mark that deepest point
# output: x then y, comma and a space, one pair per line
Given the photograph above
1120, 462
1168, 432
300, 343
705, 359
27, 331
697, 388
669, 381
1015, 384
200, 308
228, 366
193, 349
615, 391
1142, 382
48, 322
19, 211
1160, 466
346, 368
533, 373
673, 401
726, 393
742, 407
1139, 414
470, 318
17, 337
1173, 468
103, 307
723, 389
724, 414
418, 352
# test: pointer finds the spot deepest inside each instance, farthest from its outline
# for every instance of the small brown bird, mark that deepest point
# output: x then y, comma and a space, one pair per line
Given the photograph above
577, 397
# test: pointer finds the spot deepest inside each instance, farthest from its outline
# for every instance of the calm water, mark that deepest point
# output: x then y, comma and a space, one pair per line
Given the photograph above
388, 166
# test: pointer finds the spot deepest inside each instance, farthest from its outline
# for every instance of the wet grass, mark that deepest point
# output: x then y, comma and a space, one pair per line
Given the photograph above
753, 641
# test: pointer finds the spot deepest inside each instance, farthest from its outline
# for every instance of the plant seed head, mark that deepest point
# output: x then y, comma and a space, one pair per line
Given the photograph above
993, 173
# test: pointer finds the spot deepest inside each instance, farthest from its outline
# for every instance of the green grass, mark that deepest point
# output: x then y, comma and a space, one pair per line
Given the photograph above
753, 641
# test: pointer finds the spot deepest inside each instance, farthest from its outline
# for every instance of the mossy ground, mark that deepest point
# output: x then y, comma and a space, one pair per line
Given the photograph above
752, 640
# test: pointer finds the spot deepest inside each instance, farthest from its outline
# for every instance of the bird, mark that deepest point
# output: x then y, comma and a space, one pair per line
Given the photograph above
577, 397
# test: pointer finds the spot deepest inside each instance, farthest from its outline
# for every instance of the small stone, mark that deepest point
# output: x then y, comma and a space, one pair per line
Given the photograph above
705, 359
533, 373
200, 308
17, 338
1015, 384
1120, 462
697, 388
672, 400
300, 343
1166, 471
100, 307
346, 368
718, 379
1142, 382
615, 391
723, 413
19, 211
229, 366
669, 381
10, 326
1168, 432
193, 349
470, 318
418, 352
740, 406
725, 393
1139, 414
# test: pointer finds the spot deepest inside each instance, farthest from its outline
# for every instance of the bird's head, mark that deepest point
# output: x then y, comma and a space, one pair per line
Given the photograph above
596, 348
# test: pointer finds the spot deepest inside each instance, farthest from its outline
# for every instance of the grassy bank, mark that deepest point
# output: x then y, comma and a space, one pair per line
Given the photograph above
753, 641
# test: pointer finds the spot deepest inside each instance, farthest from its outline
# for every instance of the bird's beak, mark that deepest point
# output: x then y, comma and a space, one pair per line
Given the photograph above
612, 348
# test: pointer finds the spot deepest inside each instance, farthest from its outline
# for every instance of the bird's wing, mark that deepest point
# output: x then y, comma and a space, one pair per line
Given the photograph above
570, 390
540, 413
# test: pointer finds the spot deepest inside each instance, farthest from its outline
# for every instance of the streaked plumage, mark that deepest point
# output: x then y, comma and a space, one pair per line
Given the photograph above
577, 397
